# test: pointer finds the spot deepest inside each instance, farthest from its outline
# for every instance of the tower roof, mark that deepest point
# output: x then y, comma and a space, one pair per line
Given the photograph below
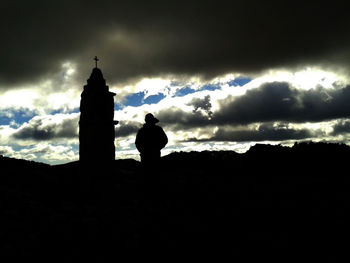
96, 77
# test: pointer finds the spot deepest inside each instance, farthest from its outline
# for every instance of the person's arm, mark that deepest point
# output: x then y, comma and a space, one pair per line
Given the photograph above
138, 141
164, 139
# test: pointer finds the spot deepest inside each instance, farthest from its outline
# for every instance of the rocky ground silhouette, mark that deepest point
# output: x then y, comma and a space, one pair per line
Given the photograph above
272, 202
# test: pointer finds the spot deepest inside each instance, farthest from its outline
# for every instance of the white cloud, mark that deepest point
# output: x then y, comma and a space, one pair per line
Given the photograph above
68, 70
63, 101
60, 154
6, 132
125, 143
49, 153
19, 99
127, 154
152, 86
39, 100
6, 151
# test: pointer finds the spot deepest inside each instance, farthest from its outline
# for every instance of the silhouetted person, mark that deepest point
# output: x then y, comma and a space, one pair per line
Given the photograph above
150, 139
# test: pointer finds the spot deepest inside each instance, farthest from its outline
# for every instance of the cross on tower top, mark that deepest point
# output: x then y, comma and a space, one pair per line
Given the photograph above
96, 59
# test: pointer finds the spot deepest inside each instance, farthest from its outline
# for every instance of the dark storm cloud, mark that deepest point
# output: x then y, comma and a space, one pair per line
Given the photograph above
342, 127
279, 101
138, 38
43, 128
126, 128
201, 103
181, 119
265, 132
271, 102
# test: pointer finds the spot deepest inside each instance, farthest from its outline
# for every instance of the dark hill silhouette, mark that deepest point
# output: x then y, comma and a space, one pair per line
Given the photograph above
272, 202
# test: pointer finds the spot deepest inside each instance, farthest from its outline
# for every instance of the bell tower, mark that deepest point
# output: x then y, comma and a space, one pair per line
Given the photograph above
96, 124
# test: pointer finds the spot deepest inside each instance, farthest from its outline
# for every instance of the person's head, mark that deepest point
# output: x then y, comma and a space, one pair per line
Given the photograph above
150, 119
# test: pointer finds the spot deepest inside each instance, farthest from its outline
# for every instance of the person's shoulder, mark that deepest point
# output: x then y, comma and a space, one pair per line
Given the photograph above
158, 127
140, 130
160, 130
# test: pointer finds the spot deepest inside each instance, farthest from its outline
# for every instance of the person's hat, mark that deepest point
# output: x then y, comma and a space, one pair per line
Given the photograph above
149, 118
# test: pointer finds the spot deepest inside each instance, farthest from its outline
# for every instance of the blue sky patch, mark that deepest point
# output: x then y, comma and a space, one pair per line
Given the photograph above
210, 87
154, 98
187, 90
75, 110
240, 81
135, 99
19, 116
138, 99
184, 91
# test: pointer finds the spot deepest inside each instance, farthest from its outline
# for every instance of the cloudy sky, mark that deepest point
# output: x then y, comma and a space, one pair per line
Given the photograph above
219, 75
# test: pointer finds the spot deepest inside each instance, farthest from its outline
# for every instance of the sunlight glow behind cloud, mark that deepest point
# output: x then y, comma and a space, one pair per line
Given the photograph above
305, 79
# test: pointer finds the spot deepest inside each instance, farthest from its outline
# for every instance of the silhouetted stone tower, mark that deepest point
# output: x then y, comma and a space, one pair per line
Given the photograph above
96, 124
